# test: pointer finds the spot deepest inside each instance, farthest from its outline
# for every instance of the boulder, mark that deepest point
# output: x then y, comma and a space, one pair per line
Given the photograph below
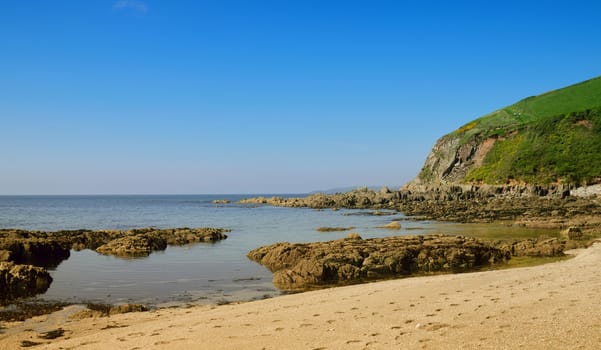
22, 280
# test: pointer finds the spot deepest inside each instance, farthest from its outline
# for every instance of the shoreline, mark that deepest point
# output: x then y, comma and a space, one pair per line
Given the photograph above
547, 306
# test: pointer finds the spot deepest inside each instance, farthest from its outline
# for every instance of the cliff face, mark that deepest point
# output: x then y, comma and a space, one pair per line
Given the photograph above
448, 162
552, 138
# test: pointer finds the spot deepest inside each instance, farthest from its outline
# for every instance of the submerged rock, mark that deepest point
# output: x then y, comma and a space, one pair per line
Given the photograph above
299, 266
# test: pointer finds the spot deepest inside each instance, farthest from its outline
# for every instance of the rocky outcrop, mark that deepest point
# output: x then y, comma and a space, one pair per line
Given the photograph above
138, 245
360, 198
448, 161
141, 242
22, 280
537, 247
550, 205
33, 251
48, 249
34, 247
351, 260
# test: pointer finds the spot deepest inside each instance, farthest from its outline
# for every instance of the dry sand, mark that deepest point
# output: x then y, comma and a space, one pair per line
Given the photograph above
553, 306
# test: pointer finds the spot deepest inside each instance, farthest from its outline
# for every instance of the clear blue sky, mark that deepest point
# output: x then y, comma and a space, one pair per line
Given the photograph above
148, 96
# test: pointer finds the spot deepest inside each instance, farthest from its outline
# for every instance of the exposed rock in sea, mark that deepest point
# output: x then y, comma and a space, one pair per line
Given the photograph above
531, 205
48, 249
221, 201
141, 242
138, 245
22, 280
304, 265
33, 251
394, 225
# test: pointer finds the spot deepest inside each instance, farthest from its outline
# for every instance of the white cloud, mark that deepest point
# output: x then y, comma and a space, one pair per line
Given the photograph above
135, 5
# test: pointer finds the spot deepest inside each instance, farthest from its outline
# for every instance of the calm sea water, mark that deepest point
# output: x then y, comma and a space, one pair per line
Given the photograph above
190, 274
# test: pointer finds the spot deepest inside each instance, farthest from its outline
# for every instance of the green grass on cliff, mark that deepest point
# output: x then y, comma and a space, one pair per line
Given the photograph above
565, 148
553, 137
574, 98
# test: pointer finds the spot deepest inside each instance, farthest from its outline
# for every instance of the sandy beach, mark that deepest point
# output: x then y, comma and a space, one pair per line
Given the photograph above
552, 306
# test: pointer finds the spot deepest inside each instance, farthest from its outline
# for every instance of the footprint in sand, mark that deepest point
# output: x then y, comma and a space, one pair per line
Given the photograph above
434, 326
137, 334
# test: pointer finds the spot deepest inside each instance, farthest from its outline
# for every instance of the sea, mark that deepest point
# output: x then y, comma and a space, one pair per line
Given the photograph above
197, 273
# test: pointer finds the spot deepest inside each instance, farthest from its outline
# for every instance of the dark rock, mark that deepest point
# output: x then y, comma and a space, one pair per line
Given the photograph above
53, 334
22, 280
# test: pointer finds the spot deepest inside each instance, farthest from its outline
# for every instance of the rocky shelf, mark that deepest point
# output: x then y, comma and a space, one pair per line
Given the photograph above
534, 206
300, 266
24, 255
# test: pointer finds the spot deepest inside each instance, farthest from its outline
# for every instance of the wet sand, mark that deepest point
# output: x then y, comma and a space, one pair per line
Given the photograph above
552, 306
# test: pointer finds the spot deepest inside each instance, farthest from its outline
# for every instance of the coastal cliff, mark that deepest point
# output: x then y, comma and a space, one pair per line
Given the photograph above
553, 138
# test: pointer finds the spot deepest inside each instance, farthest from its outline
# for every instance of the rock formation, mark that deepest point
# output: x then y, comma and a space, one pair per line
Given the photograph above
20, 249
22, 280
351, 260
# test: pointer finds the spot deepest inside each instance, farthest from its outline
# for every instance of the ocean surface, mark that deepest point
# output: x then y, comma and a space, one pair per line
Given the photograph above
197, 273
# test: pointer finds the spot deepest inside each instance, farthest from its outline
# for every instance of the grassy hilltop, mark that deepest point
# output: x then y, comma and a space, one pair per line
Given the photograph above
553, 137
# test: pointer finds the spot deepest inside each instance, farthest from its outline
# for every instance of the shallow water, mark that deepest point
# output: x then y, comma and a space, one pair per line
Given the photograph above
199, 272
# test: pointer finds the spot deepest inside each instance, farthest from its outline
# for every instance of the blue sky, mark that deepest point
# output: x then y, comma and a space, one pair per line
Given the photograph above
134, 97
